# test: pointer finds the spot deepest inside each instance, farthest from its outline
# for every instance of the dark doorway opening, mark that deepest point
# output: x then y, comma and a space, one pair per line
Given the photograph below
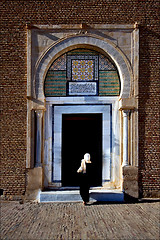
81, 133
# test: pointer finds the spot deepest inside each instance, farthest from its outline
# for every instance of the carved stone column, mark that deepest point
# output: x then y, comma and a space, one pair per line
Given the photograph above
125, 137
39, 115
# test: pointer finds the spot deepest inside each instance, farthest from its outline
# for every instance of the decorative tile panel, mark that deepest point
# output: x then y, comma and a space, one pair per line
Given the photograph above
82, 66
59, 64
55, 83
87, 64
82, 52
82, 70
82, 88
109, 83
105, 63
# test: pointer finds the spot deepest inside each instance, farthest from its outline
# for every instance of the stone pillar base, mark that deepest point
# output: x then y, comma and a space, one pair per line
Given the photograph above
34, 183
130, 183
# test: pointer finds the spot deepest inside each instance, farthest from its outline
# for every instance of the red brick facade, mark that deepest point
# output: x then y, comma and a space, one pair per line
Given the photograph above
15, 15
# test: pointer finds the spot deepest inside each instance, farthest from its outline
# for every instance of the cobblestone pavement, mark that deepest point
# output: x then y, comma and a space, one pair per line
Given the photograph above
75, 221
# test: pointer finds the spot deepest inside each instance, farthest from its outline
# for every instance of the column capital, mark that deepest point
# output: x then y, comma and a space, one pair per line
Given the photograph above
127, 104
39, 113
126, 112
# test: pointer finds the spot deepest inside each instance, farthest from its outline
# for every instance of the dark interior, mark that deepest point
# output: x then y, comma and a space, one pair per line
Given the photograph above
81, 133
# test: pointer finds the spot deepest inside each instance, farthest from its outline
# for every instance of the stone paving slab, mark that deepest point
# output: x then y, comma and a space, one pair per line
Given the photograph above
30, 221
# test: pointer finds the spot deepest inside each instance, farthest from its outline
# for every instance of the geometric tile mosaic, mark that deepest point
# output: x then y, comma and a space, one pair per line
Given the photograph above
82, 65
105, 64
83, 70
59, 63
87, 67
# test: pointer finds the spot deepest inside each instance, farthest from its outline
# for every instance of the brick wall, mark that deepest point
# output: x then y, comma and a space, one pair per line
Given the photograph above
14, 17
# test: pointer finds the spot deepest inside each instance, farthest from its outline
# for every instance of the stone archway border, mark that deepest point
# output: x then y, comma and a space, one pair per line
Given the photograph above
87, 40
94, 37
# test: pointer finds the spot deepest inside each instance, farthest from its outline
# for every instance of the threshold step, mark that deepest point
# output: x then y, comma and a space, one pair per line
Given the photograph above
74, 196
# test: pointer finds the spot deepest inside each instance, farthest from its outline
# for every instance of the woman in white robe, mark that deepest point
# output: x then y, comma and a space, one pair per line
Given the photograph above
85, 172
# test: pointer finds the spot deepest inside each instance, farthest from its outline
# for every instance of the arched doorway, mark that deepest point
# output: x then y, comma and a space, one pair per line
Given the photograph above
74, 75
49, 109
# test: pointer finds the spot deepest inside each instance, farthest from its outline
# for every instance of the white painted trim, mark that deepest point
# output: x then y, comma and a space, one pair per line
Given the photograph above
81, 100
96, 101
106, 138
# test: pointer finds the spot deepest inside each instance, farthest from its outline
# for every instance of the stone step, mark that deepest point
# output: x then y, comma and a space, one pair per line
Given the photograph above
74, 196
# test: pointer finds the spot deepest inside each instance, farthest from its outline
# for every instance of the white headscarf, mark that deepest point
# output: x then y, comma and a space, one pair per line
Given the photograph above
86, 159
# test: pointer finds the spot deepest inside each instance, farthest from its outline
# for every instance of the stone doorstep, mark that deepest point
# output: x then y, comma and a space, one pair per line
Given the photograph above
74, 196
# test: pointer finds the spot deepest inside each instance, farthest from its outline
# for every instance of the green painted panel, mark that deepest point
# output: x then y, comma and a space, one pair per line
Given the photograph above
109, 83
82, 52
55, 84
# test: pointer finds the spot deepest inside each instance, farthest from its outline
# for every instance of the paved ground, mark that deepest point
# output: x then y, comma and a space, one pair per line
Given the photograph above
75, 221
